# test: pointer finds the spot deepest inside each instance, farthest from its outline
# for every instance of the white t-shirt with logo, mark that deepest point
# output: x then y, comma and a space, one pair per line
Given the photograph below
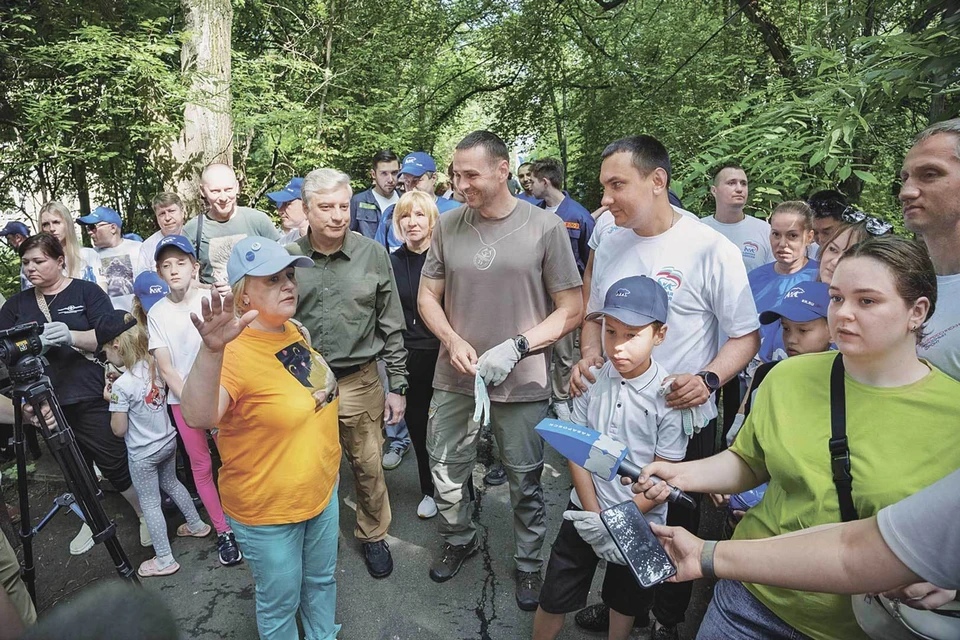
119, 266
382, 202
706, 283
606, 225
941, 346
169, 325
750, 235
144, 402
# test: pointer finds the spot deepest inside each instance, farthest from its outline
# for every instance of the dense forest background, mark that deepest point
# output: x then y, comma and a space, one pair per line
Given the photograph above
109, 101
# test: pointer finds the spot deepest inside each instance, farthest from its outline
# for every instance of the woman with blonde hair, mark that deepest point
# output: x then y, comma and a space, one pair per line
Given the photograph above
414, 218
82, 263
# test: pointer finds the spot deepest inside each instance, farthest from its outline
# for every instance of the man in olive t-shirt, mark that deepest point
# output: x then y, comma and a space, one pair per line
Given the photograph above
500, 281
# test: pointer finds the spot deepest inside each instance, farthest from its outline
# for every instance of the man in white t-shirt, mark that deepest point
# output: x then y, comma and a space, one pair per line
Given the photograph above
119, 257
706, 282
751, 235
931, 209
168, 209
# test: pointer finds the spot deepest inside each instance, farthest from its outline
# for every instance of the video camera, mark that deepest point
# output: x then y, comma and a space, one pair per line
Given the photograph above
20, 341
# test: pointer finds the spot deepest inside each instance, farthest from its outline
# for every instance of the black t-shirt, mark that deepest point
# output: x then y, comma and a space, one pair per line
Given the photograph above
79, 306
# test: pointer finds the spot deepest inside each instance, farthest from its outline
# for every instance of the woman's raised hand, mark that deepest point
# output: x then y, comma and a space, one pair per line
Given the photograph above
220, 324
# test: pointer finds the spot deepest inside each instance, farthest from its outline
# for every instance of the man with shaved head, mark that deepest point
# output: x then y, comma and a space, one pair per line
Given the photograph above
223, 224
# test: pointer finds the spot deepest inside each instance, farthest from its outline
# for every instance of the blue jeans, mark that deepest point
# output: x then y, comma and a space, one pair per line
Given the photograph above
398, 434
735, 614
294, 567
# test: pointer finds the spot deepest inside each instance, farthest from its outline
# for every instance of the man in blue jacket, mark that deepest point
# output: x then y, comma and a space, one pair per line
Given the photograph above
525, 177
367, 207
419, 172
547, 188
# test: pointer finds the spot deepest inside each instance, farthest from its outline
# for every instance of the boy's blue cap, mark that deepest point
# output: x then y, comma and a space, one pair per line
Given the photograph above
180, 242
133, 236
417, 163
258, 256
635, 301
289, 193
13, 228
805, 302
102, 214
149, 289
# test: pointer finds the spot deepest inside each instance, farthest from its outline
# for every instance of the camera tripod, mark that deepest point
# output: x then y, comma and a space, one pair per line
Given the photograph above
30, 386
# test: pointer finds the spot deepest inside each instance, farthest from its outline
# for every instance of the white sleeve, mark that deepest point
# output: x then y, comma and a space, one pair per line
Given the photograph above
604, 222
580, 403
119, 397
729, 295
671, 440
146, 262
155, 335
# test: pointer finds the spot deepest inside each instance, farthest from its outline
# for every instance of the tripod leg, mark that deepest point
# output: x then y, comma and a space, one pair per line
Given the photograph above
26, 535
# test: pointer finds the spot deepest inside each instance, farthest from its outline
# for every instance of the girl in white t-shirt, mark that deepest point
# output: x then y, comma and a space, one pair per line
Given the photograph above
138, 414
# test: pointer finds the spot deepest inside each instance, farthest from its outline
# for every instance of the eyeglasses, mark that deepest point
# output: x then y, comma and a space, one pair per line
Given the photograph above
93, 227
874, 226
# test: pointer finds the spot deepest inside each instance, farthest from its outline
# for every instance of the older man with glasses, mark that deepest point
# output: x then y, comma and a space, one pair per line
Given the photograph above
119, 257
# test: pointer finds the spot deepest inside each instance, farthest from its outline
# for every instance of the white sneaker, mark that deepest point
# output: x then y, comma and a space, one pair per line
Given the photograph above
145, 539
83, 542
427, 507
562, 409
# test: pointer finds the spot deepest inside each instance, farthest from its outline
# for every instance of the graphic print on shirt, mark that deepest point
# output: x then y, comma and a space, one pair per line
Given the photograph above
218, 252
118, 272
750, 250
304, 365
670, 279
156, 397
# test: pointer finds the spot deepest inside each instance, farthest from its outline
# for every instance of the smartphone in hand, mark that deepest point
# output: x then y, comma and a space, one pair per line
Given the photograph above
646, 557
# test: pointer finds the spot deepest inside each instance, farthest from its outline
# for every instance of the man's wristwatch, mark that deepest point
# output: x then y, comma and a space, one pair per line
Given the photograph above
523, 345
710, 379
401, 390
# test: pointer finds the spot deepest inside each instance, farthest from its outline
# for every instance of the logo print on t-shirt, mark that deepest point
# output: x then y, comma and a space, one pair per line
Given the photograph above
118, 272
303, 365
156, 397
670, 279
750, 249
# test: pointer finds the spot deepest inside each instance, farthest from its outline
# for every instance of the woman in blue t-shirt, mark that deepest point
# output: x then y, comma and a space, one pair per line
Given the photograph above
791, 232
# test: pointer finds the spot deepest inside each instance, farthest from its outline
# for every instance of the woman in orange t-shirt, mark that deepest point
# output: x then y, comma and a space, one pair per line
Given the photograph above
278, 438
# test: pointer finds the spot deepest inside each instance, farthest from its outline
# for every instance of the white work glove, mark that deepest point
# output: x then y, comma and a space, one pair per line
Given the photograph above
591, 529
693, 420
481, 411
56, 333
496, 364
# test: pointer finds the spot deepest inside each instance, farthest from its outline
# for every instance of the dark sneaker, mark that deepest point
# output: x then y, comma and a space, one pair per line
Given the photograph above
665, 633
496, 476
378, 558
528, 589
451, 559
596, 618
228, 550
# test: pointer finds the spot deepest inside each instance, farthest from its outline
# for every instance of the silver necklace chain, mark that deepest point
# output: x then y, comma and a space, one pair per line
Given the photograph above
490, 244
485, 256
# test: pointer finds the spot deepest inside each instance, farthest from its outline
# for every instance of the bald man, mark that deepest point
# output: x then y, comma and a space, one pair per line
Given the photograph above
223, 224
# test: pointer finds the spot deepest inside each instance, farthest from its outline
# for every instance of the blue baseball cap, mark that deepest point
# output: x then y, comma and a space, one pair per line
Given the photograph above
133, 236
13, 228
149, 289
180, 242
259, 256
102, 214
289, 193
805, 302
635, 301
417, 163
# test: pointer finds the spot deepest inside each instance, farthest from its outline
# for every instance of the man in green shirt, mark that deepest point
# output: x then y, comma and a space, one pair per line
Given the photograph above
349, 304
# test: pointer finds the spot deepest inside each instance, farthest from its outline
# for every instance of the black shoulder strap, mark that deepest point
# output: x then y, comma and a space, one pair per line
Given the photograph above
839, 449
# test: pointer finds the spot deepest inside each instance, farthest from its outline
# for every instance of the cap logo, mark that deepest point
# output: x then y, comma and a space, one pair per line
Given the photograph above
155, 288
622, 293
794, 293
255, 246
250, 256
670, 279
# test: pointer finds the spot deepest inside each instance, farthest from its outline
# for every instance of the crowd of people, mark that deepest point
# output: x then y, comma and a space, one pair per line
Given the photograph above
396, 319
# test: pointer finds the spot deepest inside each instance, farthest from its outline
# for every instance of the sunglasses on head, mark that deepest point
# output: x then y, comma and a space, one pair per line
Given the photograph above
874, 226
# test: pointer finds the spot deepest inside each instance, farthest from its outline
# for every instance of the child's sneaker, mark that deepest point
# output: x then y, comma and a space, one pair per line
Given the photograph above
228, 550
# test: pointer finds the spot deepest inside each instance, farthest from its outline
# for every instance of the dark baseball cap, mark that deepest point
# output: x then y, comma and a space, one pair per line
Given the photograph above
805, 302
112, 324
13, 228
635, 301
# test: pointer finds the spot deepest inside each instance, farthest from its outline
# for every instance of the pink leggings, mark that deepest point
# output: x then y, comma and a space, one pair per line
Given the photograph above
195, 441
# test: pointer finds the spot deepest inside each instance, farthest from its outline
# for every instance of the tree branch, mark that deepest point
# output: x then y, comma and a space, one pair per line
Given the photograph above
607, 5
771, 37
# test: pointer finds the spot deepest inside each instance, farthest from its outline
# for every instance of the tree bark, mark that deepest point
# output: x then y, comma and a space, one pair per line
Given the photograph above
207, 134
771, 37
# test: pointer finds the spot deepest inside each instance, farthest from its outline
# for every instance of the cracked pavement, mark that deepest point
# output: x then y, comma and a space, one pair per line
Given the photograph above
211, 602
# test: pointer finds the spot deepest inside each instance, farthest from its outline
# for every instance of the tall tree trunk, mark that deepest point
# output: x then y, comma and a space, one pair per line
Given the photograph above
207, 134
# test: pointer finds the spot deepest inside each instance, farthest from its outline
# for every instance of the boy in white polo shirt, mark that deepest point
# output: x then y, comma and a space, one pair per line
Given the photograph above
624, 403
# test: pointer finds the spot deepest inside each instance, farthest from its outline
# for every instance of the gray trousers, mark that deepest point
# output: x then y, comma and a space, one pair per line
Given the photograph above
566, 353
149, 475
452, 444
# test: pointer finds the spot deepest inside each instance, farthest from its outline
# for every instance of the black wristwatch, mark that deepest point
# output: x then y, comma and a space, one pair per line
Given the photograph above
401, 390
523, 345
710, 379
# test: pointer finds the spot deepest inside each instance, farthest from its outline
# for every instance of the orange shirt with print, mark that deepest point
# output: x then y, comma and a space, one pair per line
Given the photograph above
280, 455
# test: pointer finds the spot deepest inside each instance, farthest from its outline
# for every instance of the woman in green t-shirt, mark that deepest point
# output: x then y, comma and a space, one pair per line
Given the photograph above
900, 425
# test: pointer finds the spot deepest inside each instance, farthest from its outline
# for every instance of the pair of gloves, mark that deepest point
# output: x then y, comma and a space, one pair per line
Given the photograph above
493, 367
55, 334
693, 419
